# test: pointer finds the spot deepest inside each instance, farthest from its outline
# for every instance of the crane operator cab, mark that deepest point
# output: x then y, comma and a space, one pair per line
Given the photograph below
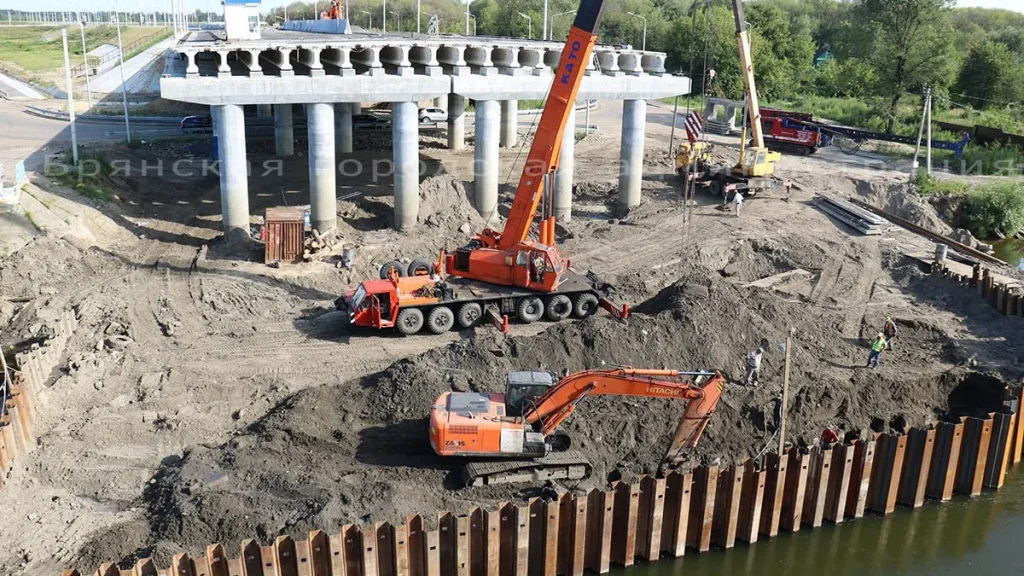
523, 388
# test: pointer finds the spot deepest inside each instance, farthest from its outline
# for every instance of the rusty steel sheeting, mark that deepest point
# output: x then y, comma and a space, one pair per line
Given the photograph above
839, 483
916, 465
702, 508
1018, 429
774, 493
447, 527
551, 537
650, 518
401, 550
491, 548
461, 546
751, 498
627, 504
535, 545
945, 459
317, 549
727, 506
352, 538
973, 456
576, 537
886, 473
677, 510
818, 473
477, 542
796, 486
432, 542
998, 452
417, 548
508, 533
600, 512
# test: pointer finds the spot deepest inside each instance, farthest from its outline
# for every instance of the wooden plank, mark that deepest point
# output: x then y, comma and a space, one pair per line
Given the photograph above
677, 509
774, 494
751, 499
839, 483
796, 486
702, 507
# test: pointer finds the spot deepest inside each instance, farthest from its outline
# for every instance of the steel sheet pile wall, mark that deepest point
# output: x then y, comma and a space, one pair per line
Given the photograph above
1008, 300
17, 436
647, 520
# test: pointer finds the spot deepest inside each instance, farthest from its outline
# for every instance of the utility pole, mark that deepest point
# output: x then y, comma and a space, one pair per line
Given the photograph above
419, 12
71, 98
929, 148
785, 395
124, 89
468, 2
85, 58
544, 34
672, 132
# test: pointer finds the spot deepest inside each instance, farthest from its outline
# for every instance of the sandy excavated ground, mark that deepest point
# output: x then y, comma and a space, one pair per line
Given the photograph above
235, 406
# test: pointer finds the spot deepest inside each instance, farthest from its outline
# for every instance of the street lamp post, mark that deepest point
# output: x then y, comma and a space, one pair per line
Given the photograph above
529, 25
399, 16
474, 24
384, 16
553, 16
644, 48
468, 2
419, 11
370, 25
544, 32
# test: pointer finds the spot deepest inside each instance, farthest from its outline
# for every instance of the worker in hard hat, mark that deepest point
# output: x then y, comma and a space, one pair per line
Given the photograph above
877, 345
889, 331
753, 367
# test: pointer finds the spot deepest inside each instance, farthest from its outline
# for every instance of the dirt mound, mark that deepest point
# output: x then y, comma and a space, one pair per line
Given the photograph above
445, 204
903, 200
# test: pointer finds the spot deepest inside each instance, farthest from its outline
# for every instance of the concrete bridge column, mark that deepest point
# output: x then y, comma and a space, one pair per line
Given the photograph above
456, 122
343, 128
234, 171
564, 172
284, 131
509, 123
440, 102
405, 134
322, 195
357, 107
485, 158
264, 111
631, 154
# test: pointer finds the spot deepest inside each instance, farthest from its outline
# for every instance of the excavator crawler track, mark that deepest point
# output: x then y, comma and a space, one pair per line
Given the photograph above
569, 465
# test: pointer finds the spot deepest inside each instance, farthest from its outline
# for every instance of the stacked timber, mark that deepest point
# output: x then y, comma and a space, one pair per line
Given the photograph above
853, 216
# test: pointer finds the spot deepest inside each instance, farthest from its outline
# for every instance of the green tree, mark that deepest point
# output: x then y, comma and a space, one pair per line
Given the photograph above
990, 73
913, 45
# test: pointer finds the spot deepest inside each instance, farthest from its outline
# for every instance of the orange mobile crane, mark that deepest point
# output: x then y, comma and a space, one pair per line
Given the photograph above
515, 431
500, 273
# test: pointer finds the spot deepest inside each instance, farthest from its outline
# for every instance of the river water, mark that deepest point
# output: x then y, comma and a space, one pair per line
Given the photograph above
1010, 251
964, 537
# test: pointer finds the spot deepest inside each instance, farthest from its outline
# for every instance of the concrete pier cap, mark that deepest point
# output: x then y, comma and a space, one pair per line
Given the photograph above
325, 71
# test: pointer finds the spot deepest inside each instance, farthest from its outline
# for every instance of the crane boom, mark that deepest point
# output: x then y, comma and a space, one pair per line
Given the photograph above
747, 67
547, 143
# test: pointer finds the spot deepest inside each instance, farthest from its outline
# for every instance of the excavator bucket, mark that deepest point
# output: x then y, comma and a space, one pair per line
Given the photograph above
693, 421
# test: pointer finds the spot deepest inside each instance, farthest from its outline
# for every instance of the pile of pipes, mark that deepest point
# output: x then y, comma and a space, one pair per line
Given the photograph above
853, 216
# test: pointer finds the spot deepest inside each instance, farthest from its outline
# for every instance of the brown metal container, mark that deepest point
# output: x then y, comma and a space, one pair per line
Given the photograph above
285, 233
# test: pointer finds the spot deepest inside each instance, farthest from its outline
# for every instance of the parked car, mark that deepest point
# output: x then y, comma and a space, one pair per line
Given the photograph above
370, 122
433, 115
200, 124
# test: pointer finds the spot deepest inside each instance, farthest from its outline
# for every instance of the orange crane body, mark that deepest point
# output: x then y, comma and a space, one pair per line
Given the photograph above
492, 258
519, 423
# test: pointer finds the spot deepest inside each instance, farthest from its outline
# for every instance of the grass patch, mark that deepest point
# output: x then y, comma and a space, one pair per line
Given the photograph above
40, 49
994, 210
927, 184
92, 177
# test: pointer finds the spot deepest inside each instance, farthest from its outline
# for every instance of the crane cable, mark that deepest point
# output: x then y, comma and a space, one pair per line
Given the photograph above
689, 176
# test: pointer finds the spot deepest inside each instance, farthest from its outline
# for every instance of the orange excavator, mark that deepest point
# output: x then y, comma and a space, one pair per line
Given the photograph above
512, 436
498, 274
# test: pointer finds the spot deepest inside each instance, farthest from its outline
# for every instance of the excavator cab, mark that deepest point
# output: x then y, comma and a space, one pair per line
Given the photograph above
523, 388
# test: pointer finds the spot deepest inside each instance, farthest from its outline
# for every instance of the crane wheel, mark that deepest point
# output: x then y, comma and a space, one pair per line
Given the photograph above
469, 314
558, 308
586, 305
440, 320
385, 270
409, 321
420, 267
530, 309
